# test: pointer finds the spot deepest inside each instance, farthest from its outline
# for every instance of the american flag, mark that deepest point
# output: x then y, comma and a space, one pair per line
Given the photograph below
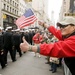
27, 19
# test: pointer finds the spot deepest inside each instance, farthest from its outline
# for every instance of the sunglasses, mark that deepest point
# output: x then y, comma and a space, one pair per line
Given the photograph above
63, 26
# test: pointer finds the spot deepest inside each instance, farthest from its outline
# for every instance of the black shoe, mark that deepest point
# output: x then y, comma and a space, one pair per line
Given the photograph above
47, 63
6, 64
21, 55
14, 60
46, 58
50, 69
3, 67
24, 52
53, 71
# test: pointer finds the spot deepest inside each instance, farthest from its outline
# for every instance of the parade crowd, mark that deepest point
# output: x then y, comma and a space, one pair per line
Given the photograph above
58, 44
10, 42
64, 47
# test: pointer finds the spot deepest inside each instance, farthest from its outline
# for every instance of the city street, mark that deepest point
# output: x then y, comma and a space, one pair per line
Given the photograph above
49, 28
28, 65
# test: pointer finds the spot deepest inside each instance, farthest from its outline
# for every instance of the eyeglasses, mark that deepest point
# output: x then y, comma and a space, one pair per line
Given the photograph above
63, 26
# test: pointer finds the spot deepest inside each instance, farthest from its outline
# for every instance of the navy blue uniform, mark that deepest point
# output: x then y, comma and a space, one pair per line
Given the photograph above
8, 45
2, 61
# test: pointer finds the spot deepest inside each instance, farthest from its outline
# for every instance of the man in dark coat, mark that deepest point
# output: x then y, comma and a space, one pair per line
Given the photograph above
30, 36
1, 50
8, 44
16, 43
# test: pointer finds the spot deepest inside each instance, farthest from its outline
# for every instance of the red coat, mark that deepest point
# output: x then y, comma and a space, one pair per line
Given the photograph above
62, 48
37, 38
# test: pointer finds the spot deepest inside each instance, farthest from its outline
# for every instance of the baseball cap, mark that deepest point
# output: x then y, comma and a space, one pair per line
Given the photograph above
67, 20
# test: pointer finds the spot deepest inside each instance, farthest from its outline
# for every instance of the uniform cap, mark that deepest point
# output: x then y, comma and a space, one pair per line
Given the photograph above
26, 30
9, 28
1, 28
22, 31
17, 30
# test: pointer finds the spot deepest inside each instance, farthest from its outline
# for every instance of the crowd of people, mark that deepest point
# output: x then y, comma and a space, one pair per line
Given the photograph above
55, 45
10, 42
64, 48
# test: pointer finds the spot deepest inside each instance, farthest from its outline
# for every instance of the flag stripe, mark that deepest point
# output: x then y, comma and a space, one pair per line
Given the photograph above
27, 23
24, 20
27, 19
20, 20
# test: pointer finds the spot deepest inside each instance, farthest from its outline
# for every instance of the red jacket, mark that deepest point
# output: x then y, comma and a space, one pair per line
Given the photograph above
37, 38
62, 48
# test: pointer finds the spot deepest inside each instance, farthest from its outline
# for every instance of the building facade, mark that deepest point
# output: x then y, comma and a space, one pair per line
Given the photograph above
72, 6
67, 9
22, 7
10, 10
41, 9
64, 9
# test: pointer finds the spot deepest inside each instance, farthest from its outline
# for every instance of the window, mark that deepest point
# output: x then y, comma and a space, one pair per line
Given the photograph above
13, 11
17, 12
10, 9
10, 1
7, 8
10, 20
13, 3
4, 6
4, 0
17, 5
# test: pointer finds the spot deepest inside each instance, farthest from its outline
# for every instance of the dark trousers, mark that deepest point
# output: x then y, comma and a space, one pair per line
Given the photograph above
70, 62
53, 66
17, 49
2, 61
11, 54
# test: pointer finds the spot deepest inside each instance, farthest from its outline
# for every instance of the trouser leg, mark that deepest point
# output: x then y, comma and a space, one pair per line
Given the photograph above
2, 61
12, 55
18, 49
54, 67
5, 55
